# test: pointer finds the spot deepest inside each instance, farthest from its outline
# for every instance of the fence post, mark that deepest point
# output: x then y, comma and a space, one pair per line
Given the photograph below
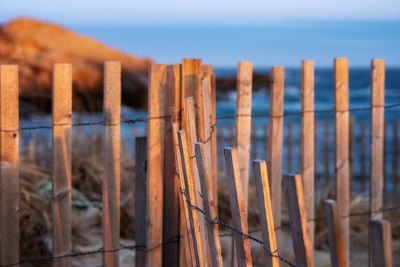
377, 137
9, 173
335, 235
112, 169
265, 210
307, 141
298, 220
155, 159
237, 203
62, 183
381, 240
190, 196
210, 207
171, 186
275, 144
191, 73
186, 246
209, 77
342, 169
243, 122
140, 199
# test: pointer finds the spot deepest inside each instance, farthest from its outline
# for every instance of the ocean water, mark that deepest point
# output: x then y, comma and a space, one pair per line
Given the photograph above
277, 43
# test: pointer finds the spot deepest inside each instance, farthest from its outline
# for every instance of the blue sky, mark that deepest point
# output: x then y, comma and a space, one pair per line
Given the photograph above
79, 12
265, 32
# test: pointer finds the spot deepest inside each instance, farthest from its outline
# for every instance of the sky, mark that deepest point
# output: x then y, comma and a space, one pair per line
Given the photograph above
281, 32
150, 12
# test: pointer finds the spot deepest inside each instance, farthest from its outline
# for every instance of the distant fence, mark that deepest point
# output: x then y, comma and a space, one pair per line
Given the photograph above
177, 169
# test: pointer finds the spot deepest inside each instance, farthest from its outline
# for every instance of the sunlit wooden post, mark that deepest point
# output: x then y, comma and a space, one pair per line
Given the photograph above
210, 207
237, 203
342, 169
275, 144
190, 196
171, 185
112, 168
307, 141
140, 199
155, 159
62, 183
265, 210
9, 173
303, 250
243, 122
377, 137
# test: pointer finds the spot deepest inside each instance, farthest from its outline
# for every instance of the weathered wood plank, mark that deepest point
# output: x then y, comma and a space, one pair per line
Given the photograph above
381, 240
307, 141
293, 186
61, 175
342, 167
377, 137
265, 209
155, 159
238, 209
9, 173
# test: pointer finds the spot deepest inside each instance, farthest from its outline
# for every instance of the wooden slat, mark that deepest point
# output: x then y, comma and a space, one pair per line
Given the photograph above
187, 254
265, 209
190, 195
155, 159
62, 182
307, 140
342, 169
210, 207
303, 250
112, 164
171, 185
275, 144
377, 137
381, 240
244, 83
336, 244
238, 209
140, 199
9, 173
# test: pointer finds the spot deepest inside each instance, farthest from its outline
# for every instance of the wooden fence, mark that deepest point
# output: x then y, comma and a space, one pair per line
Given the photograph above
177, 171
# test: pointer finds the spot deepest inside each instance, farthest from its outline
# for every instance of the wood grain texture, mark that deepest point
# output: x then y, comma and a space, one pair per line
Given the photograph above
265, 212
244, 84
155, 158
210, 207
140, 199
293, 186
381, 240
187, 254
307, 140
342, 167
238, 208
377, 137
61, 174
171, 185
335, 235
275, 144
190, 195
112, 162
9, 173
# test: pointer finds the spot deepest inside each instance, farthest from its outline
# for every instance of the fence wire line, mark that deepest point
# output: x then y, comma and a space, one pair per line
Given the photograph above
221, 117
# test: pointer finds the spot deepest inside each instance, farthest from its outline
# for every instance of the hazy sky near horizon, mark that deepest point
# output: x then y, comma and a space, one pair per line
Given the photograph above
74, 12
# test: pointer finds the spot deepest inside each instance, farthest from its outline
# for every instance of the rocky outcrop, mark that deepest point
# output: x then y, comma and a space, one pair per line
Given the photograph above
35, 46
